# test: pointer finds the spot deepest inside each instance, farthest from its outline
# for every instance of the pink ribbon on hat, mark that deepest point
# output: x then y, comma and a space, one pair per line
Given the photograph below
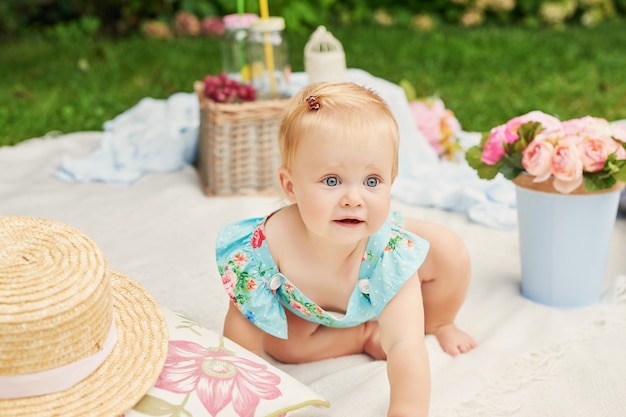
56, 379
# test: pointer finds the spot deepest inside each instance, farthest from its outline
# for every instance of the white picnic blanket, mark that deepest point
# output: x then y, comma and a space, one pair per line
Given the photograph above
532, 360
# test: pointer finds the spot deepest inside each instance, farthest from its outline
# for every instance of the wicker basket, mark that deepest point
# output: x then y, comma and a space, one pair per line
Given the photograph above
238, 146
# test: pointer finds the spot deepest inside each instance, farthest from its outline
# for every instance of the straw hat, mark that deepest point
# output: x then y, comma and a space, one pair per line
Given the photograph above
76, 338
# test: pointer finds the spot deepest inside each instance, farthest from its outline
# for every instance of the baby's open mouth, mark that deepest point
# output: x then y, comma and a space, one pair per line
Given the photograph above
350, 221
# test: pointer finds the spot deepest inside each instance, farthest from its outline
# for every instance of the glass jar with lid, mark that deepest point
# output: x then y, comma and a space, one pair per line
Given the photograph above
266, 53
233, 42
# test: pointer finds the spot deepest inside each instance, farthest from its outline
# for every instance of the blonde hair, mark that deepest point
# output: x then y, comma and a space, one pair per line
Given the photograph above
349, 109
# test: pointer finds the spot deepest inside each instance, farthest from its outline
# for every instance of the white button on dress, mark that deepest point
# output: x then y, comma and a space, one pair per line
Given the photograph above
276, 281
364, 286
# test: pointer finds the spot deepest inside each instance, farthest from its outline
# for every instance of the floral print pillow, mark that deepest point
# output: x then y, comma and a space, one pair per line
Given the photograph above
206, 374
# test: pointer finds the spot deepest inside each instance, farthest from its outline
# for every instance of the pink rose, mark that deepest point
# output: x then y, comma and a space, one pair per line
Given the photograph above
578, 130
427, 122
258, 237
297, 306
567, 167
434, 121
619, 132
493, 151
547, 122
537, 159
594, 152
228, 281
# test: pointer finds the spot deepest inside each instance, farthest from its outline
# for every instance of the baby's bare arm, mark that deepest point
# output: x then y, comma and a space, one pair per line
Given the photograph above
242, 331
402, 338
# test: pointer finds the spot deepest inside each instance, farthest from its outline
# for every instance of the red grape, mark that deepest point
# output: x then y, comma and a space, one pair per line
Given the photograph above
222, 89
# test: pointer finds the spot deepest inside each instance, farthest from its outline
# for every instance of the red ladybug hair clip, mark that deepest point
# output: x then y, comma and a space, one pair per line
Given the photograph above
314, 104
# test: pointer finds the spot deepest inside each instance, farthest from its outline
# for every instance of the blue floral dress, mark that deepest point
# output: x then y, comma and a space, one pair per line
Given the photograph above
256, 286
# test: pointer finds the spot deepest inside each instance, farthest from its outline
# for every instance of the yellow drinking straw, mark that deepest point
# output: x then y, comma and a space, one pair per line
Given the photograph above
269, 51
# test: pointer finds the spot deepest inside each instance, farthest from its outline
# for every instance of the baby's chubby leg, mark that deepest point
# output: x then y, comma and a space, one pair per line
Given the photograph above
309, 341
445, 276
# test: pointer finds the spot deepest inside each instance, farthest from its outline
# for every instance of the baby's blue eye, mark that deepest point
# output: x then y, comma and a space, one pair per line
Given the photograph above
371, 182
331, 181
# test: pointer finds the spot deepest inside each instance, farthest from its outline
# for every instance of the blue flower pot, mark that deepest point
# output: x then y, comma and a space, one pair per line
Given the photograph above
564, 244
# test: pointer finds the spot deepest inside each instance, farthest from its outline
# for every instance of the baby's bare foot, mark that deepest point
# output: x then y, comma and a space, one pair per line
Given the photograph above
453, 340
372, 344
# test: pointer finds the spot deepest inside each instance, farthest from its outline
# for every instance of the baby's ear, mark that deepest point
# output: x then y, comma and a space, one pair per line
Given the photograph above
286, 183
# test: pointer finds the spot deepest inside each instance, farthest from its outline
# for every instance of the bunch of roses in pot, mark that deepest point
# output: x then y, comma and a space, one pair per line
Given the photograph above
587, 150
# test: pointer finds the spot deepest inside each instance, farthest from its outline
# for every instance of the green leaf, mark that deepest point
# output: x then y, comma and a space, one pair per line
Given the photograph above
597, 182
512, 165
613, 167
527, 133
483, 139
488, 172
514, 159
472, 156
154, 406
591, 185
621, 174
529, 130
510, 172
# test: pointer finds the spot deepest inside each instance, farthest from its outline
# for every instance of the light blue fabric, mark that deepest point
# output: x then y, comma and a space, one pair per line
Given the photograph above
156, 135
261, 292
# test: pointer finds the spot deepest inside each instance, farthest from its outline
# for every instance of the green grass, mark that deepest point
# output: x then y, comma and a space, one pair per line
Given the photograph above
485, 75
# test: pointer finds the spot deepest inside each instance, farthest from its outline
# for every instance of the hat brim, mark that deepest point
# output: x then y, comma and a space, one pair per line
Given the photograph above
126, 375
